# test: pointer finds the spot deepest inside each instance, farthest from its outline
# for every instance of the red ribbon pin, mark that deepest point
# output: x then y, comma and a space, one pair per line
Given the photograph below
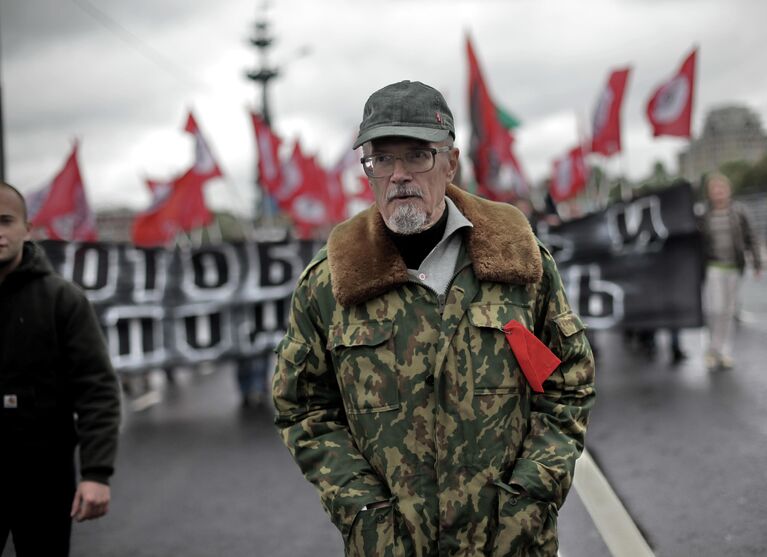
534, 357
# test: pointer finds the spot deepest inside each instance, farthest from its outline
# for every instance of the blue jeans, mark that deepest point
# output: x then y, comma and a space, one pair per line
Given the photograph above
251, 374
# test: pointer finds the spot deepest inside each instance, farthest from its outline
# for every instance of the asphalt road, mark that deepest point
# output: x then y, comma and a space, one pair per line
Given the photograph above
684, 449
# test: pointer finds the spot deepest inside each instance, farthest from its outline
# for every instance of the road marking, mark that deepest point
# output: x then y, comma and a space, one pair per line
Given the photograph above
610, 517
145, 401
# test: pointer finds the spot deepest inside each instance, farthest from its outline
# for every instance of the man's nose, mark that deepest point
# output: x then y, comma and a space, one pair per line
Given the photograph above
400, 172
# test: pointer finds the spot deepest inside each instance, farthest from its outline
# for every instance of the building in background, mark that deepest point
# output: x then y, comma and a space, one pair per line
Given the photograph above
114, 225
731, 133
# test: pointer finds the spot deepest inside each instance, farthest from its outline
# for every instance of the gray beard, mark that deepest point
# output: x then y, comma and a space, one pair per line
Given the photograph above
407, 219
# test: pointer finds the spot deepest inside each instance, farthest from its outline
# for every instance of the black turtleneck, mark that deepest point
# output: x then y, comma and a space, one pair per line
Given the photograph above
415, 247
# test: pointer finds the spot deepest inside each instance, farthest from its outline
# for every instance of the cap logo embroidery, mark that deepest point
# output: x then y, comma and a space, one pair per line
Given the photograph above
439, 117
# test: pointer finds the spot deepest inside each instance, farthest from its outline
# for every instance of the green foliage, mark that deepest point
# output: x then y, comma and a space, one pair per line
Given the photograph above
754, 179
746, 177
736, 172
659, 178
232, 228
619, 186
226, 228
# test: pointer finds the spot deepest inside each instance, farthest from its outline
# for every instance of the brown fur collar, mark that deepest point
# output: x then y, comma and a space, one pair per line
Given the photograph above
364, 263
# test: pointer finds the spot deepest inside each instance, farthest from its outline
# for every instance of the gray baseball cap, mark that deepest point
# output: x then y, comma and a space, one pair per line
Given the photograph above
406, 109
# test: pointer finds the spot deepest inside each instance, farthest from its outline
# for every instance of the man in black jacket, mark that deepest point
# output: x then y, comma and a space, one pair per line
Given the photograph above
58, 390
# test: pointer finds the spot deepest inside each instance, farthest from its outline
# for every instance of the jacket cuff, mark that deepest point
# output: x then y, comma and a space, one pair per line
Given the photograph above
350, 501
98, 476
536, 480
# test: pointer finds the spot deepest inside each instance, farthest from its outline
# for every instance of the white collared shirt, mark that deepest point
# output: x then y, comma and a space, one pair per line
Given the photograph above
437, 269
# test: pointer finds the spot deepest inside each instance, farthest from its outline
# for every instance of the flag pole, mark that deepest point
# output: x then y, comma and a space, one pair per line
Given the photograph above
181, 240
591, 190
262, 40
196, 235
626, 190
215, 234
604, 187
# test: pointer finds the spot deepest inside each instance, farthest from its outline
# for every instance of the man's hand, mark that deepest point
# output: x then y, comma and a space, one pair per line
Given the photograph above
91, 501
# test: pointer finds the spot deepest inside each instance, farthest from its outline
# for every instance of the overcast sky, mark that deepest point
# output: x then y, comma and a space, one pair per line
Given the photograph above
68, 72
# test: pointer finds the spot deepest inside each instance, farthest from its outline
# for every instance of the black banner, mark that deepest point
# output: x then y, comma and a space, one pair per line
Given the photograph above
637, 264
167, 307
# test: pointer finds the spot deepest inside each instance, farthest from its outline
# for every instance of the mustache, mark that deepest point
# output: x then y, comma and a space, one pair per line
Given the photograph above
403, 190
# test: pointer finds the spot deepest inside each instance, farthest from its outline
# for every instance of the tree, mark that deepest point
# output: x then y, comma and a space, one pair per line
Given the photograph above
754, 179
659, 178
736, 171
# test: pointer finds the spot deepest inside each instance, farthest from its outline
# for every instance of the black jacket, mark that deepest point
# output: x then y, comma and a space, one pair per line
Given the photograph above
57, 383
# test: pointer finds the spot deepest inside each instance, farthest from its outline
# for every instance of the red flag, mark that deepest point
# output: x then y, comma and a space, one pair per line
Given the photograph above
606, 125
205, 165
568, 176
498, 173
336, 195
670, 107
534, 357
61, 208
268, 144
159, 188
179, 204
304, 194
292, 177
348, 187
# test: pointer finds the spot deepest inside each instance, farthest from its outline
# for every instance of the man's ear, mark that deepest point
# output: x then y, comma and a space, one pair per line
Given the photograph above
28, 236
454, 159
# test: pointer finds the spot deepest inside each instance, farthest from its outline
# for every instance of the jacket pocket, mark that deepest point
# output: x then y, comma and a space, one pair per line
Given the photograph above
374, 534
526, 526
569, 335
19, 411
291, 362
35, 429
365, 358
495, 369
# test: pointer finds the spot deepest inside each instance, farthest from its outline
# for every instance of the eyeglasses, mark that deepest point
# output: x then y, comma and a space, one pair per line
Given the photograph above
415, 161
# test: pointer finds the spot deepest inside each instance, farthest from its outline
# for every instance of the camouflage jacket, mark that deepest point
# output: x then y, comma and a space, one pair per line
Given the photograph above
386, 392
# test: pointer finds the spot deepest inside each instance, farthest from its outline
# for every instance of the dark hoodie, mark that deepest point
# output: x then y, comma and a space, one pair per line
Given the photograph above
57, 383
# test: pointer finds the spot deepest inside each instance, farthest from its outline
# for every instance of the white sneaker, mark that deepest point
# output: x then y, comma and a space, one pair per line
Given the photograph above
711, 361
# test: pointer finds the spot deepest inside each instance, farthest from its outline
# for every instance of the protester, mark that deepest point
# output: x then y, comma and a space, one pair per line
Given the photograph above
728, 240
53, 364
251, 378
411, 387
644, 340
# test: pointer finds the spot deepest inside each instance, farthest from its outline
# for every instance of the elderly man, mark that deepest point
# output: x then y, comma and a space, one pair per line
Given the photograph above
434, 384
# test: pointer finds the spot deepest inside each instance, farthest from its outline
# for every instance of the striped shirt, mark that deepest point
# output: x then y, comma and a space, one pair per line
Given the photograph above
722, 237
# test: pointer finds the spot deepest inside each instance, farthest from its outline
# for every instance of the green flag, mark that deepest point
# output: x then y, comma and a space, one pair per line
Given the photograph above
507, 120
